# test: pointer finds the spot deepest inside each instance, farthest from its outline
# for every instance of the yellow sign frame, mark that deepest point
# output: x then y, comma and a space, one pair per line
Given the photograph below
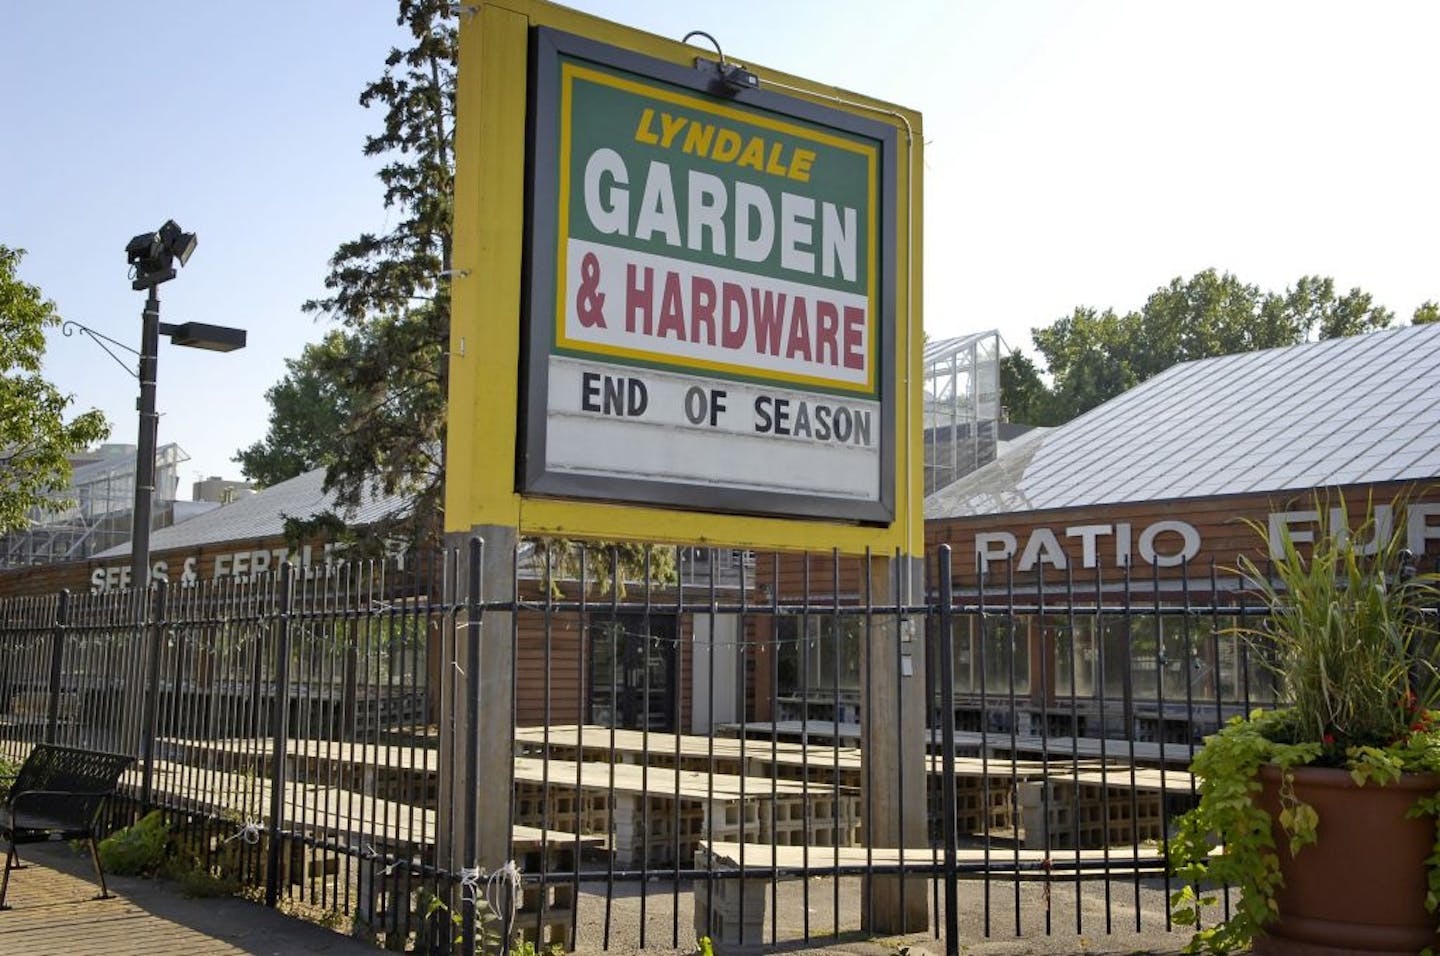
486, 333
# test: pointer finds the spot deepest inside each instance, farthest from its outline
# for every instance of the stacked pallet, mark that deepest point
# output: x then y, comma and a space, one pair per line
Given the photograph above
656, 816
982, 803
1099, 808
547, 912
561, 805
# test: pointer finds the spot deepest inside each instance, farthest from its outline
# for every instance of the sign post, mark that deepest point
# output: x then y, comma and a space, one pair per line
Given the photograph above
685, 310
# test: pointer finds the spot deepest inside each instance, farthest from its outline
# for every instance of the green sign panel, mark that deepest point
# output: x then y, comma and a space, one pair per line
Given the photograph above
707, 279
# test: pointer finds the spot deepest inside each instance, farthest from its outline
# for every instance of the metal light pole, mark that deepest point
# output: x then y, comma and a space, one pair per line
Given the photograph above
152, 257
145, 453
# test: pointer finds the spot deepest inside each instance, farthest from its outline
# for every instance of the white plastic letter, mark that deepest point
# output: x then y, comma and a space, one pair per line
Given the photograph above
985, 550
1043, 546
1189, 547
657, 206
611, 215
706, 202
756, 246
796, 215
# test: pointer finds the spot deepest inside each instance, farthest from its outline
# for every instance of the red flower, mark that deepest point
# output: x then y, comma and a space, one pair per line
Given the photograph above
1328, 739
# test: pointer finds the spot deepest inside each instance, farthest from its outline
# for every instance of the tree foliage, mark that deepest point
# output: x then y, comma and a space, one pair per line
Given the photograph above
368, 402
1023, 391
34, 436
309, 407
386, 370
1092, 356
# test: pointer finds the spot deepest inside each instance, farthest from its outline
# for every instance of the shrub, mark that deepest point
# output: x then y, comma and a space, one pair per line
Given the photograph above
136, 850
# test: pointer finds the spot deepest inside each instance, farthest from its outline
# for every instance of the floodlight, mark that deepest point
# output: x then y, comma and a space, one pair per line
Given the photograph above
180, 244
143, 247
152, 255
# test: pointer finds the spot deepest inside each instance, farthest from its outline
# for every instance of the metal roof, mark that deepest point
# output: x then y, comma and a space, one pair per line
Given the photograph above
263, 514
1347, 411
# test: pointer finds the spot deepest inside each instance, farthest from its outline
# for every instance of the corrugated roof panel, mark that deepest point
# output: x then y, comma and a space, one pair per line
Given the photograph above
1343, 411
263, 515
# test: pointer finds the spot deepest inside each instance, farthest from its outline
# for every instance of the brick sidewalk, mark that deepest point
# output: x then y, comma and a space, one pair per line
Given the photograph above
54, 911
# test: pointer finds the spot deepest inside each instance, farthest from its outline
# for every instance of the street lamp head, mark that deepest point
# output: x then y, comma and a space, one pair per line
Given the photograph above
152, 255
198, 335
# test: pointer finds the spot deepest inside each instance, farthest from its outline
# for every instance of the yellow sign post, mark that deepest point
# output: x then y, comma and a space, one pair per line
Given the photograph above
686, 309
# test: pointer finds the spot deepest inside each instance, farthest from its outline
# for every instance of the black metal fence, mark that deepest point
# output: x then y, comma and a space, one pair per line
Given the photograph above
760, 750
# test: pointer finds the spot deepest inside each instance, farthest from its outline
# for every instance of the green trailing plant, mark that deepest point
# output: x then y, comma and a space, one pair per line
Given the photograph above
489, 936
1350, 640
525, 947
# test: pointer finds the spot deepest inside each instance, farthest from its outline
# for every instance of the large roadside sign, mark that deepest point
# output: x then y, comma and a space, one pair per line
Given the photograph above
707, 278
684, 309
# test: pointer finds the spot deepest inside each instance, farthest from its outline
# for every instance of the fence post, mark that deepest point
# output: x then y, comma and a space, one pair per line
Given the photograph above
471, 809
947, 752
152, 697
280, 729
57, 660
893, 743
477, 741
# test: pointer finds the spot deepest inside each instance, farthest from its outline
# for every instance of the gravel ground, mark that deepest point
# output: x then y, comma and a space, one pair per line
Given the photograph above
999, 935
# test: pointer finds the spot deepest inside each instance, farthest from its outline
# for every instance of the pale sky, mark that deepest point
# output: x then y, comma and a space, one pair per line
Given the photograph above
1076, 154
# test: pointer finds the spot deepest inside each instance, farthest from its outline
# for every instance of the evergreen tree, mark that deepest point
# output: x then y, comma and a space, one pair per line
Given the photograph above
390, 291
383, 376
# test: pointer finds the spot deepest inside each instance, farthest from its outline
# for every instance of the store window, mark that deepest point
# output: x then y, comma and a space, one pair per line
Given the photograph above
818, 653
1199, 658
632, 672
992, 653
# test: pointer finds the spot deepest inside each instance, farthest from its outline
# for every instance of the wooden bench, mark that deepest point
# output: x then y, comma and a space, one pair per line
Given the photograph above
58, 792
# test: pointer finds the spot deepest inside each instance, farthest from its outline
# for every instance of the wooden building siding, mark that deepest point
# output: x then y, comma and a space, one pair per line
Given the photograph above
565, 656
1221, 524
202, 560
813, 575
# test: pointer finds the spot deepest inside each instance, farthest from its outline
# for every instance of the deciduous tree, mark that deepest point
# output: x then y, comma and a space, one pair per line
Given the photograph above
35, 438
1091, 356
309, 408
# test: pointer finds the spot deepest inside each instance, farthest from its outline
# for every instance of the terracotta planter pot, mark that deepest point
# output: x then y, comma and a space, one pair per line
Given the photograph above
1361, 887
